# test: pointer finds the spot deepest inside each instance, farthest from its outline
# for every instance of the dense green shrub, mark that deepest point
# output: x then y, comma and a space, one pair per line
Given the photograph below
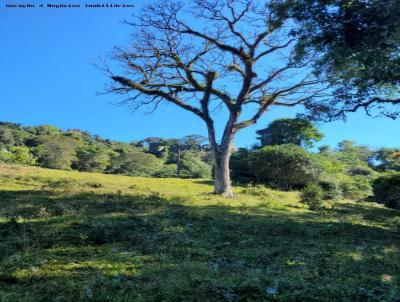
360, 170
313, 196
239, 164
347, 171
92, 158
17, 155
388, 159
192, 166
5, 156
6, 138
22, 155
356, 187
56, 151
284, 166
167, 171
331, 189
136, 163
387, 190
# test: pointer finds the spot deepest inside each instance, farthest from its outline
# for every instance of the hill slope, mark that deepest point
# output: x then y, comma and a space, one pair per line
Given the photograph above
69, 236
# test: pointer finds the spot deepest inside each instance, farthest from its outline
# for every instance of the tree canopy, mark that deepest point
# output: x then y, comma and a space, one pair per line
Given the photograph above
294, 131
236, 55
357, 46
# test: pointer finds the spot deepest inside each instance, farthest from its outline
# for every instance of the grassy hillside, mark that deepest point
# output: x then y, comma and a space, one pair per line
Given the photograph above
69, 236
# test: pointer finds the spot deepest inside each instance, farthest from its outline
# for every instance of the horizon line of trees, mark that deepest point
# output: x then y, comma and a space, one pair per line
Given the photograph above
282, 159
74, 149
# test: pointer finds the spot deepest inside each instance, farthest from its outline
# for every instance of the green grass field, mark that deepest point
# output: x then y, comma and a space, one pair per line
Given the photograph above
69, 236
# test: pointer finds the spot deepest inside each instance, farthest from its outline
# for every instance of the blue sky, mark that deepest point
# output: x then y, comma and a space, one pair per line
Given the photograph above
46, 77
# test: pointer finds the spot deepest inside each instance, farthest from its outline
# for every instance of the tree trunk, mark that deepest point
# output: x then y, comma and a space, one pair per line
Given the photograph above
222, 179
221, 156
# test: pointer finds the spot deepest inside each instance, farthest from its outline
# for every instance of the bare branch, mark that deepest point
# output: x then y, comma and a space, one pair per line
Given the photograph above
170, 97
213, 62
270, 78
366, 105
316, 93
264, 104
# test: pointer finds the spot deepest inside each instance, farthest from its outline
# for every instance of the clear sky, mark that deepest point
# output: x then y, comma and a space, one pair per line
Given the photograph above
46, 77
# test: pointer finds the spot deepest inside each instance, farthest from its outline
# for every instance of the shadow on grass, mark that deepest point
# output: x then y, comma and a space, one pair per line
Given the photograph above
368, 211
115, 247
204, 182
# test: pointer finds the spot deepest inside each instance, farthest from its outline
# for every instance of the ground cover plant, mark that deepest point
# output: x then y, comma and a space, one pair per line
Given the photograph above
73, 236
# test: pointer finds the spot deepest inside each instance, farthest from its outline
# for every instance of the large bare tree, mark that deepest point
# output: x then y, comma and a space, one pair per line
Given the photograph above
235, 58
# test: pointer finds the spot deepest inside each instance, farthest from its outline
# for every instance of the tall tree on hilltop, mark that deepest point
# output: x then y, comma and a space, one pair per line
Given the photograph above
294, 131
209, 54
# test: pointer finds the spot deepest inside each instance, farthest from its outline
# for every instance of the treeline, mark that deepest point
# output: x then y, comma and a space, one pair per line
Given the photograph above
280, 159
50, 147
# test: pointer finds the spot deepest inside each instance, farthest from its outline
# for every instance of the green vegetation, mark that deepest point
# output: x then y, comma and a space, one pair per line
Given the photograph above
191, 165
294, 131
71, 236
348, 171
283, 166
387, 190
50, 147
154, 232
281, 161
67, 235
354, 45
313, 196
389, 159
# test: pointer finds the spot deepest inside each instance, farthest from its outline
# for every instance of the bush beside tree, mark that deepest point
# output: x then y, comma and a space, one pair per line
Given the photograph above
285, 167
192, 166
313, 196
387, 190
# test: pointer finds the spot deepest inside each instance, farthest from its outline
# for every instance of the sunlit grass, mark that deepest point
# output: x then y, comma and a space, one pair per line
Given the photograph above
70, 236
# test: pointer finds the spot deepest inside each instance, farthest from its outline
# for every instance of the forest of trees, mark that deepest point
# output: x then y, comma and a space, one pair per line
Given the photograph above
283, 159
50, 147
